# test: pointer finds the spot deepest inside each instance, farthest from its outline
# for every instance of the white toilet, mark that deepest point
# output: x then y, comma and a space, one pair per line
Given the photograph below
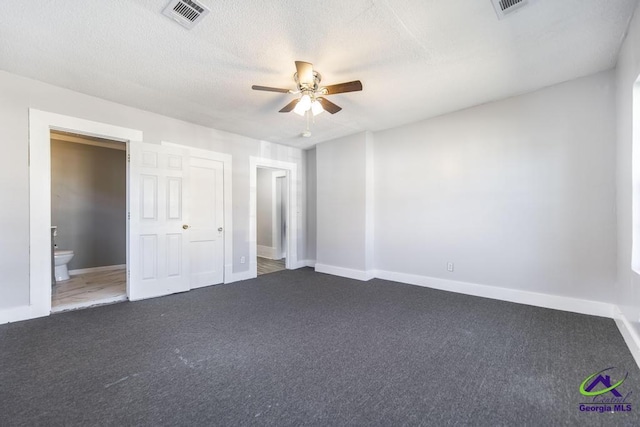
61, 259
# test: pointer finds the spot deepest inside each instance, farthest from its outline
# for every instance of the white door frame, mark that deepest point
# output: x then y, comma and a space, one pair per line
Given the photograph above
291, 170
40, 125
227, 175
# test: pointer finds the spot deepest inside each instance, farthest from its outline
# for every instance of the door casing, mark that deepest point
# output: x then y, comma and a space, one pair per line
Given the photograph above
40, 125
291, 171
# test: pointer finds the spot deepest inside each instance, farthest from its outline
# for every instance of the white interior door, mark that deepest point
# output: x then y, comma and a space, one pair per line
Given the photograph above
159, 247
206, 221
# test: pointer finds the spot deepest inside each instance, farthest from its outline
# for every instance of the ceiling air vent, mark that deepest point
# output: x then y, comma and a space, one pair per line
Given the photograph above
507, 7
186, 12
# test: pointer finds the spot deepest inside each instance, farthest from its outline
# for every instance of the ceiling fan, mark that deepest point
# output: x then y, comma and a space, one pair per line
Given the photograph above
311, 93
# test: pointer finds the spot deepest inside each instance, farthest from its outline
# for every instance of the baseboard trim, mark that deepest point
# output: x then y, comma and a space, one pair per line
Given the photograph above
345, 272
556, 302
310, 263
629, 334
18, 314
238, 277
267, 252
228, 273
301, 263
97, 269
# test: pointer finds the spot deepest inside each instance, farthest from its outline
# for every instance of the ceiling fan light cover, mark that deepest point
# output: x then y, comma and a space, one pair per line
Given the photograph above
303, 105
316, 108
305, 102
299, 110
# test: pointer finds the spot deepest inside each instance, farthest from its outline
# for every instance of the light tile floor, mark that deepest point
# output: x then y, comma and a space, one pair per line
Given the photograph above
266, 265
86, 290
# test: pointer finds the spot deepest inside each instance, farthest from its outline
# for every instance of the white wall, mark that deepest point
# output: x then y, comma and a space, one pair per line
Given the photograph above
518, 193
627, 71
19, 94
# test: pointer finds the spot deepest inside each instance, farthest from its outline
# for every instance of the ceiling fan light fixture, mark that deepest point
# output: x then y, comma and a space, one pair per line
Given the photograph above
312, 101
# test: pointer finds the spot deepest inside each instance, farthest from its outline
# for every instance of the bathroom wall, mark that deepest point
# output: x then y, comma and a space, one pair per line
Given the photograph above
88, 202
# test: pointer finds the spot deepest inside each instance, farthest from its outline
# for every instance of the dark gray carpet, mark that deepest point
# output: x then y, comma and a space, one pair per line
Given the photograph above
301, 348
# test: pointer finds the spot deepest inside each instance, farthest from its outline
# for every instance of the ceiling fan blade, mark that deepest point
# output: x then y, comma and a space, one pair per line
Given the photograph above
328, 105
269, 89
353, 86
305, 73
290, 106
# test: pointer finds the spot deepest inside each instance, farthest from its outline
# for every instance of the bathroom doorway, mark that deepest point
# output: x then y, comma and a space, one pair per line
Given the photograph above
89, 221
271, 220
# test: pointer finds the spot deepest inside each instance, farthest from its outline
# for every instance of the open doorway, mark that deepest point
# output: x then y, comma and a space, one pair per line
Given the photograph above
88, 221
272, 201
292, 213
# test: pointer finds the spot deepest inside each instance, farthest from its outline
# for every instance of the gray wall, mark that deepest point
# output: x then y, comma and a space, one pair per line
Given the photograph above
89, 203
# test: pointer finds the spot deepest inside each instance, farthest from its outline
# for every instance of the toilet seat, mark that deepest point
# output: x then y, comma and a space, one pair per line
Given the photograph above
62, 252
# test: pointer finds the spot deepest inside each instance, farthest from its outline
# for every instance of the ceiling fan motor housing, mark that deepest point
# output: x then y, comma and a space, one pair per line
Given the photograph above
317, 77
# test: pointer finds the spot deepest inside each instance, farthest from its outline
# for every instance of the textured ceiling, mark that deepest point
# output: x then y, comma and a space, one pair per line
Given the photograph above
416, 58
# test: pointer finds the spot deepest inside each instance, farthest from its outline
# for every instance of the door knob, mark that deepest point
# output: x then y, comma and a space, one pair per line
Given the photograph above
219, 228
185, 226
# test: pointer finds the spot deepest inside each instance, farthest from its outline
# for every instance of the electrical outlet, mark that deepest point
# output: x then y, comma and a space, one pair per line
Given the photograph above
242, 260
450, 266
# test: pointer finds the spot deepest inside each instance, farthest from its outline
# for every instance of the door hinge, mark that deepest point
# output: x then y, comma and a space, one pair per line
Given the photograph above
128, 158
129, 273
128, 215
